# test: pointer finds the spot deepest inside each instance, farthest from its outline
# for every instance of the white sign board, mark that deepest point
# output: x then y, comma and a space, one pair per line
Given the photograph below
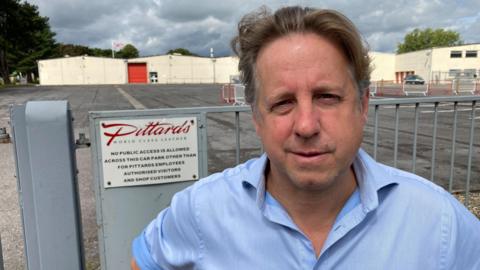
149, 151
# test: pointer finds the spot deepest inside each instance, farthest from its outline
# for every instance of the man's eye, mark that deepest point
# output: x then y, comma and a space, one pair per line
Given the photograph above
328, 98
282, 106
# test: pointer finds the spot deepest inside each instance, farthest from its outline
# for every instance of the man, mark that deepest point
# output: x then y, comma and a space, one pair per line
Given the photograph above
315, 200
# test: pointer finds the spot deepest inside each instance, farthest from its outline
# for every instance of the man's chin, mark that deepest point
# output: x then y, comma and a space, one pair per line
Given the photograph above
313, 181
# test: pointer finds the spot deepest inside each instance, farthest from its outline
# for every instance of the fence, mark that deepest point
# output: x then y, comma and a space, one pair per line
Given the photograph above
233, 94
459, 86
430, 125
431, 136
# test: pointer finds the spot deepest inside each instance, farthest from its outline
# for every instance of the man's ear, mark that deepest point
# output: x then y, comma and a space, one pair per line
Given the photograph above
365, 101
256, 120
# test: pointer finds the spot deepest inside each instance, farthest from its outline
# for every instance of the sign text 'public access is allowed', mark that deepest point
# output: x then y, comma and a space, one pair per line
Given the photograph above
149, 151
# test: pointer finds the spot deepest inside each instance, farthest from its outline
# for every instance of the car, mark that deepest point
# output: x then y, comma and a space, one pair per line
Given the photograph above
413, 79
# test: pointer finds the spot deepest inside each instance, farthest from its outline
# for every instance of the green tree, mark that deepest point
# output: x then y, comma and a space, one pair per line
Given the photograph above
71, 50
25, 38
101, 52
128, 51
428, 38
77, 50
181, 51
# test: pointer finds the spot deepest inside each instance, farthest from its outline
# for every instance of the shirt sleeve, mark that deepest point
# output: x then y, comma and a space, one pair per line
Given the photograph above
464, 248
171, 240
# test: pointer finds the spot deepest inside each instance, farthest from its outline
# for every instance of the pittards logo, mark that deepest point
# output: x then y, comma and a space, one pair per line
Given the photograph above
114, 131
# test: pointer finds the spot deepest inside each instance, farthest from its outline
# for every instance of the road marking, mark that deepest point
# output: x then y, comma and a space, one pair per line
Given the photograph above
413, 106
135, 103
460, 110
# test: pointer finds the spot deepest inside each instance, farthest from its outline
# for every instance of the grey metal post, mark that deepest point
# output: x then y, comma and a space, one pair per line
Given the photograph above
46, 174
1, 256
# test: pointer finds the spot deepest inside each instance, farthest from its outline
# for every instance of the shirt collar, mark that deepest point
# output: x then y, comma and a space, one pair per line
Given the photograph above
371, 177
255, 177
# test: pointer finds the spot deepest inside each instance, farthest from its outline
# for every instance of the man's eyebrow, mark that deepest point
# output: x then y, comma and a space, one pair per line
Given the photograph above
281, 94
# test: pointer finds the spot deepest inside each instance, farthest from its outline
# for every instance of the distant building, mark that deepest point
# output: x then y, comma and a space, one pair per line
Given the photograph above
162, 69
434, 65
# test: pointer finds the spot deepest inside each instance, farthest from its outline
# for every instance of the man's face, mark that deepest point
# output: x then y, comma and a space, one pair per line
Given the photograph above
307, 113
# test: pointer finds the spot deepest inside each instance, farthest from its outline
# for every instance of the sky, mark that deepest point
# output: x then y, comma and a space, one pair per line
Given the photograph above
156, 26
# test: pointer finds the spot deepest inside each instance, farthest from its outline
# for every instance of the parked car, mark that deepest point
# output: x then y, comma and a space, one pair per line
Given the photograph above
413, 79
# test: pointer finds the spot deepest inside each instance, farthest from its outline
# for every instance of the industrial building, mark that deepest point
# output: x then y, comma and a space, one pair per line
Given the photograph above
436, 64
163, 69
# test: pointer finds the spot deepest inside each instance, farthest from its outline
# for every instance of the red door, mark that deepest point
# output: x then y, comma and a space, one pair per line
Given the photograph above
137, 73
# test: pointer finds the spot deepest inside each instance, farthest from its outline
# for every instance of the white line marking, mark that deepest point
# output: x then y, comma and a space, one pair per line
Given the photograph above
460, 110
135, 103
413, 106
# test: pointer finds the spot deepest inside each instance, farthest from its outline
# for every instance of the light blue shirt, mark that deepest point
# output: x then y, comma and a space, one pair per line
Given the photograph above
394, 220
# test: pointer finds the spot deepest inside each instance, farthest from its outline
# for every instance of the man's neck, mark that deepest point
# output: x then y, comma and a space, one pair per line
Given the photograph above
314, 211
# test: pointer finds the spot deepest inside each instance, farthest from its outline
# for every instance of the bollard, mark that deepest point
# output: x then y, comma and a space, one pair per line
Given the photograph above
44, 150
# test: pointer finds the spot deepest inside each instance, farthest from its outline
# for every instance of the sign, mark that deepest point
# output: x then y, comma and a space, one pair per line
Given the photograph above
149, 151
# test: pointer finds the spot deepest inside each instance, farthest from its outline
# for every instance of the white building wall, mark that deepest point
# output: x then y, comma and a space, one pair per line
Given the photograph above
383, 66
419, 62
442, 62
82, 70
181, 69
225, 68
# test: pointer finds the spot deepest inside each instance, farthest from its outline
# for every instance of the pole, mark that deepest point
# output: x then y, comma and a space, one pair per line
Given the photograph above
1, 257
113, 50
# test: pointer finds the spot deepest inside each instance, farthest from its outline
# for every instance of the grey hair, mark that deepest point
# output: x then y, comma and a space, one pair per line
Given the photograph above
258, 28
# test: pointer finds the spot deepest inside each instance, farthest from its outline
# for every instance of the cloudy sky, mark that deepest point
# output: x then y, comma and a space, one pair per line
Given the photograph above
155, 26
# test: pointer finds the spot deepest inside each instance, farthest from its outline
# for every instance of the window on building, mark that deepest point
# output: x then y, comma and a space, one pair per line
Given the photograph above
471, 54
454, 72
470, 73
456, 54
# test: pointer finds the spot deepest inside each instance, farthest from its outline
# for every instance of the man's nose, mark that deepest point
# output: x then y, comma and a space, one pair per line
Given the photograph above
306, 121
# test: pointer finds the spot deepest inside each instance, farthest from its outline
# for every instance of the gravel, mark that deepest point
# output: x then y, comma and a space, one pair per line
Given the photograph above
473, 201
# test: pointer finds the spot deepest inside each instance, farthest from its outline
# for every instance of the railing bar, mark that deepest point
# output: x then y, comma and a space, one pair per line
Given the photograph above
1, 254
434, 142
415, 133
452, 155
237, 137
395, 151
375, 133
470, 152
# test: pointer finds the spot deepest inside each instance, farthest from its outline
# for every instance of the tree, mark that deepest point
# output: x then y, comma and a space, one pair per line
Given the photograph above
181, 51
129, 51
71, 50
25, 38
428, 38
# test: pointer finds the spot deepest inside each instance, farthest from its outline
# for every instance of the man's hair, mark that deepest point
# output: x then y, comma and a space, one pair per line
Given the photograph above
257, 29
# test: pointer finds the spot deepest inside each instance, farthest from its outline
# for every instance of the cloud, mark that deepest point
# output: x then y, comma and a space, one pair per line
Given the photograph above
155, 26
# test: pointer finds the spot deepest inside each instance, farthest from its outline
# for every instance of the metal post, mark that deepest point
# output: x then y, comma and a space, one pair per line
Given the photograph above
470, 152
395, 147
1, 256
415, 133
434, 141
375, 133
452, 154
237, 137
46, 173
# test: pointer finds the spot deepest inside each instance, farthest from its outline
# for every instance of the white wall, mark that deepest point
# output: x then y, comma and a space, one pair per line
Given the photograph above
190, 69
418, 61
82, 70
443, 62
383, 66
